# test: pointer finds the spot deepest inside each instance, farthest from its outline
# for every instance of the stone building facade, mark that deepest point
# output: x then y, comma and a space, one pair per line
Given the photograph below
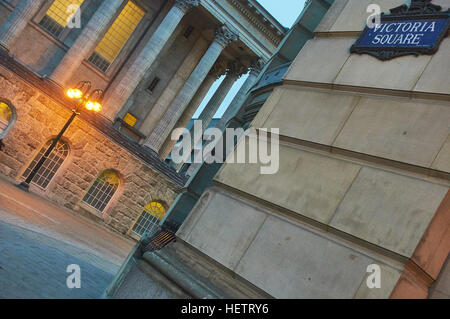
244, 108
91, 152
163, 65
363, 179
155, 62
363, 186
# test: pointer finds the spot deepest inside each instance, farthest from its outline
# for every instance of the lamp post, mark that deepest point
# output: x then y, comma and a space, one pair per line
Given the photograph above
85, 99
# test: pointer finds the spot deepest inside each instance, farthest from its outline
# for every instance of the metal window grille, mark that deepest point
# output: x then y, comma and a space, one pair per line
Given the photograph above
149, 220
100, 62
58, 16
101, 192
51, 164
117, 36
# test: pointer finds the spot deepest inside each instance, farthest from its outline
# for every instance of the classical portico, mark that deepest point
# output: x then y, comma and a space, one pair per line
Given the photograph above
234, 72
235, 105
218, 70
148, 55
156, 60
216, 33
217, 37
224, 36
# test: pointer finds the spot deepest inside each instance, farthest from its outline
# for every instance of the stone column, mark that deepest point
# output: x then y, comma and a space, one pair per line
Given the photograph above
164, 128
159, 107
238, 101
86, 41
17, 21
235, 105
234, 71
215, 73
116, 98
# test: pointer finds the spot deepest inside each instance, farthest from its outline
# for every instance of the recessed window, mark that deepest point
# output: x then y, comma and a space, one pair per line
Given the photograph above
150, 218
8, 117
117, 36
102, 191
130, 119
51, 164
5, 116
153, 85
188, 31
58, 16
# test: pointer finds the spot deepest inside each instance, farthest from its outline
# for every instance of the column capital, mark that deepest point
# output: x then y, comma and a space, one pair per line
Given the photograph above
236, 68
256, 67
219, 68
224, 36
186, 5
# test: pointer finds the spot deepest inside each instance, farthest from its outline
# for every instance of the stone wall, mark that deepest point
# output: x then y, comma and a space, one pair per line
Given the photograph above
91, 152
364, 175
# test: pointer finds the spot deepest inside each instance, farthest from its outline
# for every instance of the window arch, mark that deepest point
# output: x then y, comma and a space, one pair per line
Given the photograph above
8, 117
51, 164
149, 220
102, 191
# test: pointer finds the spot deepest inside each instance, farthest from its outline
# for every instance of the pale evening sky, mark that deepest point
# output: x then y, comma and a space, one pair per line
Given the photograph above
286, 12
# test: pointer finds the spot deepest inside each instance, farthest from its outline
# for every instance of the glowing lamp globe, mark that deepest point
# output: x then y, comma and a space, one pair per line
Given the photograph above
97, 107
90, 106
74, 93
93, 106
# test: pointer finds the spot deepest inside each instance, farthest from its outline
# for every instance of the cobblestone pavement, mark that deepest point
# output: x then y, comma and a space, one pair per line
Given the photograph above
38, 240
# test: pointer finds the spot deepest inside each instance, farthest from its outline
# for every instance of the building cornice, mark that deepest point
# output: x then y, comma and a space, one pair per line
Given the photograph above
261, 19
256, 40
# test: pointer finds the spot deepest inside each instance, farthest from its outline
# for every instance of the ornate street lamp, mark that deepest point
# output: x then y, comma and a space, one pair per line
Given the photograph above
85, 99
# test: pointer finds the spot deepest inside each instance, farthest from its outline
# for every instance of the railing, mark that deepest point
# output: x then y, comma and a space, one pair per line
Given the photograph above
158, 240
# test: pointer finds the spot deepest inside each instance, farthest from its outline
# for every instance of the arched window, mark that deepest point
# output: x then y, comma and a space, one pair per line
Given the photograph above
51, 164
101, 192
149, 220
7, 119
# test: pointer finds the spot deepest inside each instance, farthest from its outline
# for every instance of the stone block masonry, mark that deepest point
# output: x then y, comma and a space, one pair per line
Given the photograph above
39, 118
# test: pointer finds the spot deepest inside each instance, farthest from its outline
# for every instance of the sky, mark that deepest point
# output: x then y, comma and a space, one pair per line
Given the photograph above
286, 12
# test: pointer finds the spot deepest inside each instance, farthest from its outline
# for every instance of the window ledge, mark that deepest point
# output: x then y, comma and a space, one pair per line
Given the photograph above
131, 128
49, 36
101, 74
91, 210
134, 236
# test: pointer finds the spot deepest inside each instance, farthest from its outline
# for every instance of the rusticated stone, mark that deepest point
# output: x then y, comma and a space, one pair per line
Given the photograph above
91, 152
